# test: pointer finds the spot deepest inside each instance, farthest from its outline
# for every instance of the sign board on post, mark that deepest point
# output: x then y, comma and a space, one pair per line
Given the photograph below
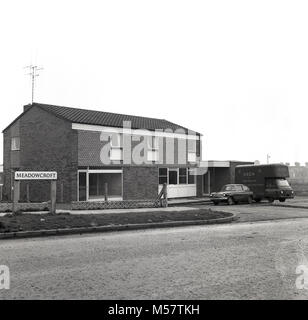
36, 175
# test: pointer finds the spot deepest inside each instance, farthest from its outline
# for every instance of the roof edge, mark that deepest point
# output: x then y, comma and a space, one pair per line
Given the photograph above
30, 106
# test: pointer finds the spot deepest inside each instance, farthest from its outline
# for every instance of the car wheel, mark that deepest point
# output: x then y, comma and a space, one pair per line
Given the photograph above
282, 200
270, 200
249, 200
230, 201
216, 203
258, 200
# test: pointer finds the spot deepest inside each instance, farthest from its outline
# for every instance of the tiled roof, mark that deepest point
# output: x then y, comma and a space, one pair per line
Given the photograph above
109, 119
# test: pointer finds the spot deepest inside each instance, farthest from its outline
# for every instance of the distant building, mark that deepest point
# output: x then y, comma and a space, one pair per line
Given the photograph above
299, 178
219, 174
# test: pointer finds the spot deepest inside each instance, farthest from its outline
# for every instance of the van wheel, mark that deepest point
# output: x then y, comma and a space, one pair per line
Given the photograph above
282, 200
249, 200
230, 201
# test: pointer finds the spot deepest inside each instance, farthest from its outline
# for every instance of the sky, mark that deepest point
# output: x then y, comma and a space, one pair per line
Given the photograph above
235, 71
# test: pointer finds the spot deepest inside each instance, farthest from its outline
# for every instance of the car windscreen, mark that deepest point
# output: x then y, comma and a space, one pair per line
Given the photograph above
282, 183
232, 188
277, 183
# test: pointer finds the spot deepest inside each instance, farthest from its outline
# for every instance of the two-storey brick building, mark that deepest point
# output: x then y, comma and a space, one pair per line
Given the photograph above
135, 156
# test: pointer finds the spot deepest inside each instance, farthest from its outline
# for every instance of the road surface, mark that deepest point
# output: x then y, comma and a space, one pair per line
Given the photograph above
262, 211
235, 261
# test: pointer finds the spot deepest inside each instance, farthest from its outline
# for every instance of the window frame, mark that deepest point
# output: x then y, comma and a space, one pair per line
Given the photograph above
153, 158
116, 147
120, 141
163, 176
188, 170
177, 176
194, 155
14, 146
182, 175
153, 143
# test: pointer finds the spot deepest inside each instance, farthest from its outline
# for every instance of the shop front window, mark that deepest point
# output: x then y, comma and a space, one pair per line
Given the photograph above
173, 176
163, 175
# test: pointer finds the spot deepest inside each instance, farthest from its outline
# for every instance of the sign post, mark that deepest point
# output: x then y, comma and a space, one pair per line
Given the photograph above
16, 194
36, 175
53, 196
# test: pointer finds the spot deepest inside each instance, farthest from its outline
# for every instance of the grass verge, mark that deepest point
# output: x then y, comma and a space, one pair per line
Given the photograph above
33, 222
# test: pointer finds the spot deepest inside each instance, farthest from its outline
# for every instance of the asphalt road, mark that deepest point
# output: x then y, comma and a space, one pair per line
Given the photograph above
235, 261
262, 212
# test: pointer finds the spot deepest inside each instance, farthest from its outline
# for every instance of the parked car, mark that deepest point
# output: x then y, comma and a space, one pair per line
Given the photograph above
232, 194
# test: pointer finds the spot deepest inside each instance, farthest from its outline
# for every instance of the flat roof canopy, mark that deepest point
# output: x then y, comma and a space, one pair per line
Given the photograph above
215, 164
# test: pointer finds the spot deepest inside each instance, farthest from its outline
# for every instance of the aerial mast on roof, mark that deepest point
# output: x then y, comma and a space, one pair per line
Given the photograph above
33, 73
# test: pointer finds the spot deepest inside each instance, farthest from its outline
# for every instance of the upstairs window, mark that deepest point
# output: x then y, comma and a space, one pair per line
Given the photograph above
116, 140
192, 154
152, 153
15, 144
116, 143
153, 142
192, 157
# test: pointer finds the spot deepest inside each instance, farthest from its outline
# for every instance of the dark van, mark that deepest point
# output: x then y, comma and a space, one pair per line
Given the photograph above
265, 181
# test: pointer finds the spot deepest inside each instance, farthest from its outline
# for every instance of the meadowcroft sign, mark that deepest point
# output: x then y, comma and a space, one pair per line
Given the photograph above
36, 175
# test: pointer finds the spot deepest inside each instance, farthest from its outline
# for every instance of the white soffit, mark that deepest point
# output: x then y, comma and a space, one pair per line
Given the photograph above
138, 132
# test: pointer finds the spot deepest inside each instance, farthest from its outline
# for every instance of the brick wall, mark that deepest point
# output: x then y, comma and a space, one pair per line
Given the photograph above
11, 159
140, 183
47, 143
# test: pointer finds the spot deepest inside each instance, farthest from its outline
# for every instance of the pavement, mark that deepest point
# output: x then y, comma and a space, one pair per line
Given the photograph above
236, 261
108, 211
189, 201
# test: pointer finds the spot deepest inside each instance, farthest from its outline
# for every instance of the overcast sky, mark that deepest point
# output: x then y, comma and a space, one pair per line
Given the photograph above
236, 71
